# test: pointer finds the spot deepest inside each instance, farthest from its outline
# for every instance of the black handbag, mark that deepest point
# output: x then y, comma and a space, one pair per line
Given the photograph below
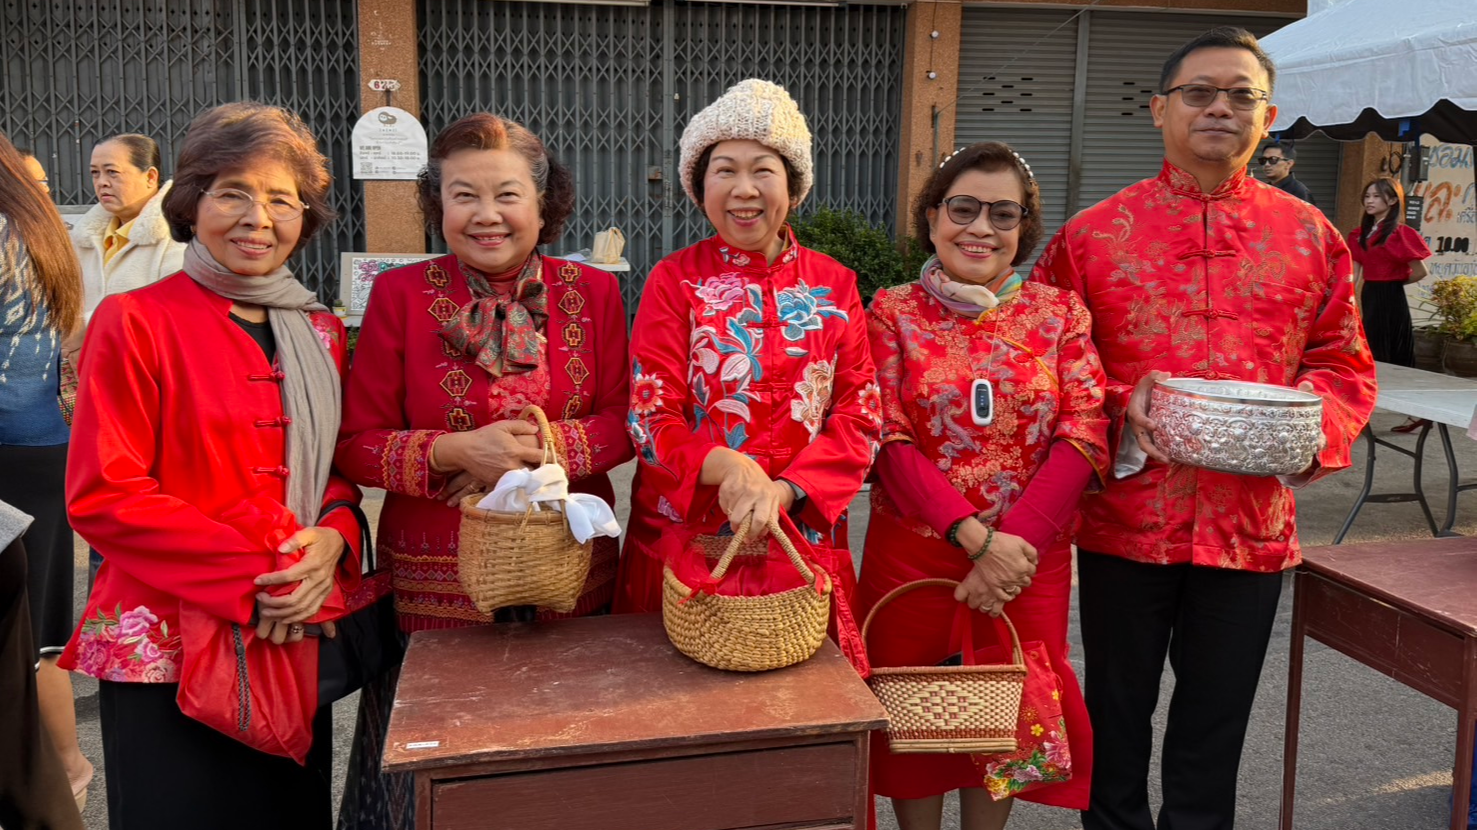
369, 642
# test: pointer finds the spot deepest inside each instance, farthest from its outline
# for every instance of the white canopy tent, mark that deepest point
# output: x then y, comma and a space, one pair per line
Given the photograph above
1391, 68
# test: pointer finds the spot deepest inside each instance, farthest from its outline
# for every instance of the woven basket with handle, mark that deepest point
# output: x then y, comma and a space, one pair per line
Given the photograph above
527, 558
969, 708
740, 633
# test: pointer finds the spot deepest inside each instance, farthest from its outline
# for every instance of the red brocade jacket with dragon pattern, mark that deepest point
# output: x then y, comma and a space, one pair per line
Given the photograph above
1048, 385
769, 360
407, 387
1243, 283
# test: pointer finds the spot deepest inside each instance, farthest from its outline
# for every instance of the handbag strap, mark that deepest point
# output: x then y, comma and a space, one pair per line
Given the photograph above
366, 542
1006, 631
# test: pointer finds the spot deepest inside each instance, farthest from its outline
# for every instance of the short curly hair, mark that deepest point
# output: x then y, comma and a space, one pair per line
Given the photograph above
987, 157
485, 131
236, 136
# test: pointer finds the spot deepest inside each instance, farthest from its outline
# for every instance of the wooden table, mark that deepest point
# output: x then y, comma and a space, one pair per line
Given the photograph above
1405, 609
599, 723
1443, 400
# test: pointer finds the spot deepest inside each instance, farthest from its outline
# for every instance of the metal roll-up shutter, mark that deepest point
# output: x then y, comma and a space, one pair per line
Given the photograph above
1125, 54
1020, 96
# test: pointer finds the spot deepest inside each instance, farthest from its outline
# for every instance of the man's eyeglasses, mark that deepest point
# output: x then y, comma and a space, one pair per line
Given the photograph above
1202, 95
963, 210
233, 202
1267, 161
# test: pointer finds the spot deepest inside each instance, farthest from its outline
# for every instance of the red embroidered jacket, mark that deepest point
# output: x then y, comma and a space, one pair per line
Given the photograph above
1244, 283
178, 424
769, 360
1047, 386
407, 387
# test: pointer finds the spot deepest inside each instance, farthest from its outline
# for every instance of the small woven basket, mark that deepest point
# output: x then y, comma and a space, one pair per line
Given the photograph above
738, 633
942, 709
527, 558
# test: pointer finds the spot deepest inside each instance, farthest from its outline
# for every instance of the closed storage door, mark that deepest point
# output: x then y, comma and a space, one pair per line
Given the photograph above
1125, 55
1021, 96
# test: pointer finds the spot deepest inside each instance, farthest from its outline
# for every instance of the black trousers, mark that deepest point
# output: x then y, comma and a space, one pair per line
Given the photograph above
166, 771
1214, 625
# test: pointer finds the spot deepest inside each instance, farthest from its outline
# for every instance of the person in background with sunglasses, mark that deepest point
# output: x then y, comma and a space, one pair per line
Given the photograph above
992, 404
1199, 272
1276, 163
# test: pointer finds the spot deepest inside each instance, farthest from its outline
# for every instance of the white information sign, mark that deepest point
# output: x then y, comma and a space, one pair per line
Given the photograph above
389, 143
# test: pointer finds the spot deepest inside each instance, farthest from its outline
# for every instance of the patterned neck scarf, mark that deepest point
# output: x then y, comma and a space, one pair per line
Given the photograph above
501, 333
963, 297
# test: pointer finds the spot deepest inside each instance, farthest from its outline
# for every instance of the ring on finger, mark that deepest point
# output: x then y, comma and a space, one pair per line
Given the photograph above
296, 629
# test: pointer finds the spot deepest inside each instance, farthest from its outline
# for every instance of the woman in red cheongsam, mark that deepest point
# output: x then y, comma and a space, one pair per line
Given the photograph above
974, 486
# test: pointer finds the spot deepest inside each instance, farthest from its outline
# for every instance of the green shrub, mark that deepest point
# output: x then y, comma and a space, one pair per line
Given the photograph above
867, 249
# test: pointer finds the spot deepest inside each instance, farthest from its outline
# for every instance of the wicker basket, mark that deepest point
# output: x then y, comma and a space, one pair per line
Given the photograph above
748, 633
527, 558
949, 708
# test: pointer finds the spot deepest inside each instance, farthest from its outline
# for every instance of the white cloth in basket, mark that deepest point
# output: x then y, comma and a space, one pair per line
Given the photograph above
548, 487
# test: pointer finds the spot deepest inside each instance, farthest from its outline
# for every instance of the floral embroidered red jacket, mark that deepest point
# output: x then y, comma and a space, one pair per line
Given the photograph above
407, 387
179, 430
1047, 386
1244, 283
769, 360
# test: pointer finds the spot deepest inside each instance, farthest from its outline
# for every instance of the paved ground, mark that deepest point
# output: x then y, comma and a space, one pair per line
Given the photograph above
1374, 754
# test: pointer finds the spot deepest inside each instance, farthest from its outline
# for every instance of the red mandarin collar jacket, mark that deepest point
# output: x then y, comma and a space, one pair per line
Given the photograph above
1243, 283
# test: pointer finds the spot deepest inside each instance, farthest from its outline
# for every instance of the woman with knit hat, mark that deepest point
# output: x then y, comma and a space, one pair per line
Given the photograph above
752, 391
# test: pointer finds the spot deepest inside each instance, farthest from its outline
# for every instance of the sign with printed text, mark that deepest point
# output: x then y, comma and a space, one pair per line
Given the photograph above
389, 143
1448, 203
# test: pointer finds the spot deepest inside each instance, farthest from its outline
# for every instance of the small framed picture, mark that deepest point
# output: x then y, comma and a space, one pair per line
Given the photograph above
357, 272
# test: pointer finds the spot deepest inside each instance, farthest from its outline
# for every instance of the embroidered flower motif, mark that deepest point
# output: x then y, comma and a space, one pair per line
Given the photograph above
813, 396
802, 309
128, 646
1057, 753
719, 292
870, 398
1037, 729
665, 508
646, 392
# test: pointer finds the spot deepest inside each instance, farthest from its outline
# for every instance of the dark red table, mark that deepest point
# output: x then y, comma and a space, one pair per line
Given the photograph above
1405, 609
599, 723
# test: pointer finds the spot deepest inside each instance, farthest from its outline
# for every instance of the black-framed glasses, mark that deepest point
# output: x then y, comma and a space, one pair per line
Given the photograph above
1004, 215
233, 202
1202, 95
1267, 161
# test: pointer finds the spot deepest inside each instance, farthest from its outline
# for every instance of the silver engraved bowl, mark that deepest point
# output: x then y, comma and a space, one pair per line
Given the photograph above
1236, 426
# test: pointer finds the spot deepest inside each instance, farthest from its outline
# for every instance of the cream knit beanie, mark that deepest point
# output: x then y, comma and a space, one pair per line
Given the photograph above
752, 109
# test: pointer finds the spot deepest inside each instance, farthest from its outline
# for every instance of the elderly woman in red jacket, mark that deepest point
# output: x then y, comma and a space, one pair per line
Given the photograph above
451, 352
753, 391
201, 471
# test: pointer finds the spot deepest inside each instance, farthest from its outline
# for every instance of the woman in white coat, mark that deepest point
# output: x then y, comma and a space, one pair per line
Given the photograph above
124, 242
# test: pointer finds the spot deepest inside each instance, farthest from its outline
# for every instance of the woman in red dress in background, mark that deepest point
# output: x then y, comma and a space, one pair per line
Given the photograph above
451, 351
989, 504
1384, 249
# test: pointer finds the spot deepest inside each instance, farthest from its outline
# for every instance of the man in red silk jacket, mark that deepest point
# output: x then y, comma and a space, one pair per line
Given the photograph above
1199, 272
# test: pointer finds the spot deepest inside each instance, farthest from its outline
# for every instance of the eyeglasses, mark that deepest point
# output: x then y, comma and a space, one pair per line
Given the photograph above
1270, 160
1203, 95
233, 202
963, 210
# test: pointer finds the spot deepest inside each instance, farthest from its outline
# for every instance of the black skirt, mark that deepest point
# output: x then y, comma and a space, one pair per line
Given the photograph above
167, 771
34, 481
1387, 322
